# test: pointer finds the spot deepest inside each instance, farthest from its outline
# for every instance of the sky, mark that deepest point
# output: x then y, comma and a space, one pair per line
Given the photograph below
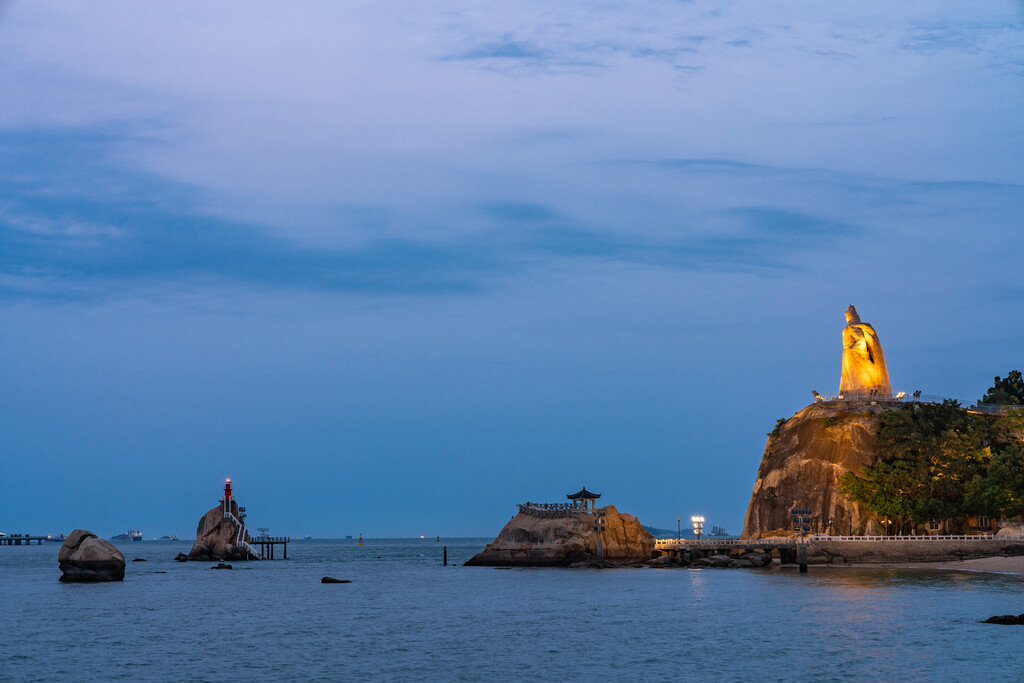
395, 267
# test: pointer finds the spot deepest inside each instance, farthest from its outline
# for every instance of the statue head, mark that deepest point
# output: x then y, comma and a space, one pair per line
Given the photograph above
851, 315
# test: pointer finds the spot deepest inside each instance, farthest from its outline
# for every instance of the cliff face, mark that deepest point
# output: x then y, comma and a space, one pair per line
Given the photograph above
801, 467
533, 541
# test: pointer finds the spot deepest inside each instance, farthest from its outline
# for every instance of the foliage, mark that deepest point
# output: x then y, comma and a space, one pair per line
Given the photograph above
1008, 391
830, 422
778, 427
936, 461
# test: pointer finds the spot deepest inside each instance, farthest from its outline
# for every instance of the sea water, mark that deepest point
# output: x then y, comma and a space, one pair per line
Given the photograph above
407, 617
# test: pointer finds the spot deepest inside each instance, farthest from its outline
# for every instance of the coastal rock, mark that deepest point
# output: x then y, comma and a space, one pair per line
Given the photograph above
757, 559
217, 535
534, 541
331, 579
1011, 530
740, 563
1006, 619
801, 466
85, 557
181, 557
663, 561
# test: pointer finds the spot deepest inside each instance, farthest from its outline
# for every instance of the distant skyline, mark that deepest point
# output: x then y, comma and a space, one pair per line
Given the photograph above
396, 267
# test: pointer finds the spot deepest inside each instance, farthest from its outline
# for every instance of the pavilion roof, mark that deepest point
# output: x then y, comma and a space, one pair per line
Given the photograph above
583, 494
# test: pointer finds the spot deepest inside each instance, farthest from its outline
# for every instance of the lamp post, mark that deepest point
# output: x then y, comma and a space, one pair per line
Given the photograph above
679, 532
698, 525
802, 523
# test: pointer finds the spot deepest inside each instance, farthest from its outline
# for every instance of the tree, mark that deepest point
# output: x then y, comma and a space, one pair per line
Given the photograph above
929, 454
1008, 391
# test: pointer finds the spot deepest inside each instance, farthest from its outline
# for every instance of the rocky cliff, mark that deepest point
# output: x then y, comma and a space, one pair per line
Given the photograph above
801, 467
534, 541
217, 537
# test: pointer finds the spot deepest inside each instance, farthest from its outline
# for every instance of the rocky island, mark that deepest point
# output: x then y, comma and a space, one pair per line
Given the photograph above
563, 534
221, 534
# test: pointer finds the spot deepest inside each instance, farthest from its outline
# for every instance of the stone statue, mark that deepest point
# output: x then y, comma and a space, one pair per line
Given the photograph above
864, 371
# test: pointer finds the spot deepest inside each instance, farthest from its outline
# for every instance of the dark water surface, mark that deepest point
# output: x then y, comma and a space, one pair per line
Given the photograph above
407, 617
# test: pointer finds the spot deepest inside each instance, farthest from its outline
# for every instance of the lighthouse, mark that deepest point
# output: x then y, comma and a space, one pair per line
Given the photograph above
226, 502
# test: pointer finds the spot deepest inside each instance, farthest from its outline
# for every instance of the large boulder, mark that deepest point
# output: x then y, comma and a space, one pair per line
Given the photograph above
535, 541
218, 536
87, 558
802, 463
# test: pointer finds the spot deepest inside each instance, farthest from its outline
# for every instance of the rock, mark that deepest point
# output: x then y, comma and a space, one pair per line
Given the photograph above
701, 562
1011, 530
181, 557
757, 559
663, 561
718, 560
139, 559
529, 540
221, 565
217, 535
739, 563
1006, 619
802, 465
329, 579
85, 557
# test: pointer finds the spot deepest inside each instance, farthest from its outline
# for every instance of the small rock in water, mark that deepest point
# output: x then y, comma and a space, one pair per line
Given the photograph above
1006, 619
139, 559
330, 579
181, 557
222, 566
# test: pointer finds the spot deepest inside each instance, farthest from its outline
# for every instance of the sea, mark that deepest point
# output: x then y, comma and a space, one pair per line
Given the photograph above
406, 616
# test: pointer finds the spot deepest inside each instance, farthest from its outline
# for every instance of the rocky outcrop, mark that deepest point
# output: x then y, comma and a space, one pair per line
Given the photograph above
533, 541
86, 558
218, 535
801, 466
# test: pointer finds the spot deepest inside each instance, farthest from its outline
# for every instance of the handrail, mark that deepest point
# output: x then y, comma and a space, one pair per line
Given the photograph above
820, 538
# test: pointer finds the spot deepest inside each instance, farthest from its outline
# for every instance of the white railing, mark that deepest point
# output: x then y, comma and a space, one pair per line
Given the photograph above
817, 538
240, 539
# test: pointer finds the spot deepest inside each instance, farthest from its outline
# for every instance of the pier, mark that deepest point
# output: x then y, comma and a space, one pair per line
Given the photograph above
267, 543
26, 539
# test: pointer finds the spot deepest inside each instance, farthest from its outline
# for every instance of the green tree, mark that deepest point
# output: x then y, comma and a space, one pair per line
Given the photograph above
1006, 391
928, 456
1000, 490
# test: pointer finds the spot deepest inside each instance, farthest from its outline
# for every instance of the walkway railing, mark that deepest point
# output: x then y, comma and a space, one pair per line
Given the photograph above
553, 509
240, 539
818, 538
978, 407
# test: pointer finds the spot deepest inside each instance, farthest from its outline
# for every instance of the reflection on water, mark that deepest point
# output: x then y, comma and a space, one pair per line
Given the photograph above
406, 616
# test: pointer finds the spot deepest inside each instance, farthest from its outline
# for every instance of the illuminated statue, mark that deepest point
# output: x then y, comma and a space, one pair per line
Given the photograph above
864, 371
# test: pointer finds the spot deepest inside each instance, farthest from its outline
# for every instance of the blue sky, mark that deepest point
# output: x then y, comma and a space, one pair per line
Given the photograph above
395, 267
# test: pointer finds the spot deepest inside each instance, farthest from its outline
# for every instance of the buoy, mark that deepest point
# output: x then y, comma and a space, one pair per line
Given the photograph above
438, 539
360, 539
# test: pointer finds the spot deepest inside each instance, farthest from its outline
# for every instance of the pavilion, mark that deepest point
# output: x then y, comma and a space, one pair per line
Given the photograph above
581, 497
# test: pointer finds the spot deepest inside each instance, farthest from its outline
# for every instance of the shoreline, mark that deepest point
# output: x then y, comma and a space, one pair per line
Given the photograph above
997, 564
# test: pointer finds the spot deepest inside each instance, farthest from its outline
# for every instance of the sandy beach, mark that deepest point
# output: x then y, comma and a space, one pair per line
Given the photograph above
1003, 565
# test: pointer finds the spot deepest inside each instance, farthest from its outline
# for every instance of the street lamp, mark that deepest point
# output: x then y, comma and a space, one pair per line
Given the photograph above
801, 523
599, 529
698, 525
679, 533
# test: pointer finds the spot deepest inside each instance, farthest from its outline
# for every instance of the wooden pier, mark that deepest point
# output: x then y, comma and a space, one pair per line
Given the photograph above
267, 543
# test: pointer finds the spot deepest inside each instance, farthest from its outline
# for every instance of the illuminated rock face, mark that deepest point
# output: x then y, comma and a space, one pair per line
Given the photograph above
864, 371
802, 465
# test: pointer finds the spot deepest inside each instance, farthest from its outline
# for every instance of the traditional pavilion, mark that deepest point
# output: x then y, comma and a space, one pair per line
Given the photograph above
581, 497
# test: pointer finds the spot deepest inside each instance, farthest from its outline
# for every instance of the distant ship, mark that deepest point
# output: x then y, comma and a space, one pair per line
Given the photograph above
172, 537
131, 535
308, 537
718, 531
